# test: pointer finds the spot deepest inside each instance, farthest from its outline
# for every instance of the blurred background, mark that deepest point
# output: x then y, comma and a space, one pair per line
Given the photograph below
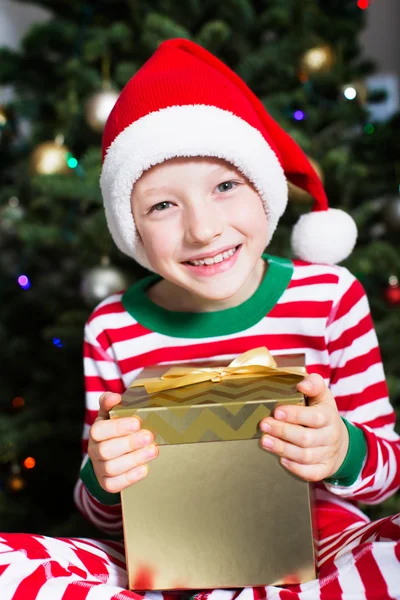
327, 70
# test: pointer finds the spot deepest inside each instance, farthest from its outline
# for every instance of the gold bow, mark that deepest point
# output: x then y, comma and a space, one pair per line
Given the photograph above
254, 363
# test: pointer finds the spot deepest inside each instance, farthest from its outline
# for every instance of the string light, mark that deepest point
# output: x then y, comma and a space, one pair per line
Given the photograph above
57, 342
24, 282
350, 93
71, 161
298, 115
29, 462
369, 129
16, 483
363, 4
18, 402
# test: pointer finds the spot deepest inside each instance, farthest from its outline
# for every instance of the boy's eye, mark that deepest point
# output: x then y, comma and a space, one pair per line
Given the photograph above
226, 186
159, 207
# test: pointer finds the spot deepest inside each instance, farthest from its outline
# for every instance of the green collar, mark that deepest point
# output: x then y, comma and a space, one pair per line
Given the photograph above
209, 324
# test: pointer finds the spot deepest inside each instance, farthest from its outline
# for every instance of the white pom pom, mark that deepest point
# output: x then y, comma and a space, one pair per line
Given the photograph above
326, 236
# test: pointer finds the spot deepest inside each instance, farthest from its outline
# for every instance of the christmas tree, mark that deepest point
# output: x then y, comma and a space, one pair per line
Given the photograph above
303, 59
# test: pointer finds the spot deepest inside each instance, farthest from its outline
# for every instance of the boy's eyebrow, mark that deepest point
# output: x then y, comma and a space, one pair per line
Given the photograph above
224, 168
168, 189
156, 190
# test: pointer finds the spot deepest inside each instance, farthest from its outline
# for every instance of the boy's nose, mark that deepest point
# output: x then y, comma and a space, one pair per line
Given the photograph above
202, 226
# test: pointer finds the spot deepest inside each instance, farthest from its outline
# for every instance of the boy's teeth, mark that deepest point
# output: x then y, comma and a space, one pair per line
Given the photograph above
216, 259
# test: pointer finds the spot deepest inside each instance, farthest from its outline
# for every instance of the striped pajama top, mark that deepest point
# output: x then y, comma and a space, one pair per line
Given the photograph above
319, 310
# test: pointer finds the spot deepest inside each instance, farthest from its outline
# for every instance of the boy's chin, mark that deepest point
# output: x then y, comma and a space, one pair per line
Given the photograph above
215, 294
220, 295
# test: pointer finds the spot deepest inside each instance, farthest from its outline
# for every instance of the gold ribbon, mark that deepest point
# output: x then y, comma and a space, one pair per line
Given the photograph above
255, 363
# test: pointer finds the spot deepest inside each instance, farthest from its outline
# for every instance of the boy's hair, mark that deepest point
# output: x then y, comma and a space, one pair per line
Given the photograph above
184, 102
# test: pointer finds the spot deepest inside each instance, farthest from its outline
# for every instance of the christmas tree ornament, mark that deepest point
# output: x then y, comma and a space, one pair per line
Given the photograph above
392, 292
356, 90
297, 194
50, 158
391, 212
102, 281
3, 117
99, 106
7, 126
317, 60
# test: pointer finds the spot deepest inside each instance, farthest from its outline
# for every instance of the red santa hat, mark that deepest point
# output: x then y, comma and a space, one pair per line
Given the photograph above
185, 102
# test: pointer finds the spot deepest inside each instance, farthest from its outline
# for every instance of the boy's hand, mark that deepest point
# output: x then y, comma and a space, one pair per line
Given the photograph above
312, 440
119, 449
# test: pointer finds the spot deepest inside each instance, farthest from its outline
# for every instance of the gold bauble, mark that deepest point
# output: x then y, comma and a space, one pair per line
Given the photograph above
356, 91
3, 122
3, 117
317, 60
297, 194
98, 108
50, 158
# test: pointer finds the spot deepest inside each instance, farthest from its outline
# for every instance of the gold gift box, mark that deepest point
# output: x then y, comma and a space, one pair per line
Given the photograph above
216, 510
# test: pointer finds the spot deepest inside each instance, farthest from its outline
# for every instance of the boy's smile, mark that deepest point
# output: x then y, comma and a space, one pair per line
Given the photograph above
215, 262
203, 228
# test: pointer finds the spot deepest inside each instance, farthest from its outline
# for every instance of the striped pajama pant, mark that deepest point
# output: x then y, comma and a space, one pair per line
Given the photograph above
361, 562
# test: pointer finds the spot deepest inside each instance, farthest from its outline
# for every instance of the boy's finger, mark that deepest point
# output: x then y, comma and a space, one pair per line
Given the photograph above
308, 416
303, 456
127, 462
107, 401
314, 387
310, 473
119, 483
304, 434
107, 429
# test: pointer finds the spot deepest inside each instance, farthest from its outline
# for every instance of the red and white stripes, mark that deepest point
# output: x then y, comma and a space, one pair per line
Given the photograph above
361, 563
335, 331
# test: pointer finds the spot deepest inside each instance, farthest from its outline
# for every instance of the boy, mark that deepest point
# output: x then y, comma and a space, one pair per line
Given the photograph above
194, 183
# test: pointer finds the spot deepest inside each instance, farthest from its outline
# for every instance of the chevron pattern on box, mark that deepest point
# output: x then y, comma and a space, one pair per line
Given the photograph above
210, 392
229, 410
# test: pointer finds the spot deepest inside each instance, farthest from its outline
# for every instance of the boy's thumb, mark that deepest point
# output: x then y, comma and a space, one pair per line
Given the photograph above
107, 401
313, 386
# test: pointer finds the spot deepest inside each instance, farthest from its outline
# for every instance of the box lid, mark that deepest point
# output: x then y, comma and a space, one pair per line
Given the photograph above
211, 411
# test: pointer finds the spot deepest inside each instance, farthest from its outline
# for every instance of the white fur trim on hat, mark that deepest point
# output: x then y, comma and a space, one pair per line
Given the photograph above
325, 236
178, 131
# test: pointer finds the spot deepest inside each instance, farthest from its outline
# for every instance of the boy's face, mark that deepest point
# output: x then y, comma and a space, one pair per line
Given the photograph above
190, 208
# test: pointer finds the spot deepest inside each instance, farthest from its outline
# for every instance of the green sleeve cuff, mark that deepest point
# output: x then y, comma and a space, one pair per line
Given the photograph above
89, 478
352, 464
